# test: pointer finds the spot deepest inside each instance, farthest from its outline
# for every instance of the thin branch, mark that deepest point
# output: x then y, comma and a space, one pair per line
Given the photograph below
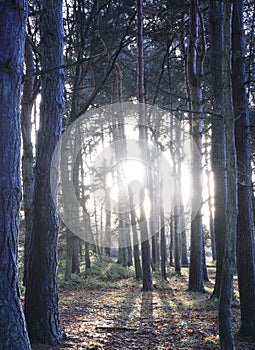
112, 65
63, 66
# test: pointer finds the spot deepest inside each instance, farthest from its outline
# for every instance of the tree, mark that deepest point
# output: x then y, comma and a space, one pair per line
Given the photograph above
147, 280
163, 243
245, 226
30, 90
136, 252
13, 334
41, 299
218, 154
196, 52
226, 288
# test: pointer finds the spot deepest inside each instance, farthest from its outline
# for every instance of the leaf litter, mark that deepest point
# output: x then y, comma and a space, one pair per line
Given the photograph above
170, 317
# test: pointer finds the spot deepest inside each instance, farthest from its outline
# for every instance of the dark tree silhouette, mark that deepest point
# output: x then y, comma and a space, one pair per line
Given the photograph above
147, 280
41, 299
226, 288
196, 51
218, 154
13, 334
245, 226
30, 90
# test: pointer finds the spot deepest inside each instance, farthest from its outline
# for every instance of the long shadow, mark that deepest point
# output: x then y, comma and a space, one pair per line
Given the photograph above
186, 317
147, 322
129, 325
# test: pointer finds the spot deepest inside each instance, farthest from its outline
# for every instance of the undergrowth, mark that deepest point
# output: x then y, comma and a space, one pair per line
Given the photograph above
103, 274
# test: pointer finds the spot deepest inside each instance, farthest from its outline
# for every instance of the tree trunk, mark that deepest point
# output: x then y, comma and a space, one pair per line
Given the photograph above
146, 268
145, 245
76, 255
196, 51
171, 226
184, 257
108, 231
226, 289
74, 240
162, 243
205, 273
178, 199
210, 203
129, 246
87, 257
211, 224
27, 102
177, 243
41, 299
13, 334
152, 224
218, 138
245, 226
136, 252
69, 254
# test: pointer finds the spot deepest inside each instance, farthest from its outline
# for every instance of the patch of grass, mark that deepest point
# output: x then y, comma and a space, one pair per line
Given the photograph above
104, 274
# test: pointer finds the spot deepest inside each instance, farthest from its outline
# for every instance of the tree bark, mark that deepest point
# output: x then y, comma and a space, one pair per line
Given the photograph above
41, 299
13, 334
146, 268
245, 225
218, 155
226, 288
28, 98
196, 51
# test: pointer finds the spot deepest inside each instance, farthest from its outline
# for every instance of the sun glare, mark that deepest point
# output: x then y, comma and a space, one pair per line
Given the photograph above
133, 180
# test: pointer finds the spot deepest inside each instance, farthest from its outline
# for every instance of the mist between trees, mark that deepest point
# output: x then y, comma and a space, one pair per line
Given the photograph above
133, 123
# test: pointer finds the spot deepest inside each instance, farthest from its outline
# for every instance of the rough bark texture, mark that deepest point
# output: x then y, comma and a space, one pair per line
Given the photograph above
27, 102
245, 227
218, 156
13, 334
41, 299
195, 65
226, 289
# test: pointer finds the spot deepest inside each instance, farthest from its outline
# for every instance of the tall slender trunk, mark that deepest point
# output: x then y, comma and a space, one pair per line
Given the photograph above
41, 299
210, 203
177, 207
146, 268
171, 243
218, 155
226, 288
196, 51
245, 225
136, 252
162, 244
184, 255
28, 97
85, 220
107, 232
13, 334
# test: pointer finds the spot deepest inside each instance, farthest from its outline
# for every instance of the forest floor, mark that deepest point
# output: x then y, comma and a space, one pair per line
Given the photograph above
115, 314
